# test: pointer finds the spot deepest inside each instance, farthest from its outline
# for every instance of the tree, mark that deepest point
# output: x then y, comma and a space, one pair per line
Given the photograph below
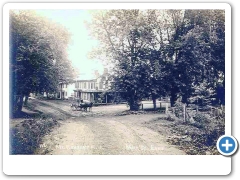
195, 45
162, 52
38, 56
127, 39
206, 29
120, 33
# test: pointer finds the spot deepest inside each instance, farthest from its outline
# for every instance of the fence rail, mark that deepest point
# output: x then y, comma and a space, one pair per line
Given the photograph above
185, 112
162, 106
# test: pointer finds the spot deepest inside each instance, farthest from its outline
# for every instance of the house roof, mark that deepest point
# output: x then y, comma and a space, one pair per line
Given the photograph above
85, 77
78, 80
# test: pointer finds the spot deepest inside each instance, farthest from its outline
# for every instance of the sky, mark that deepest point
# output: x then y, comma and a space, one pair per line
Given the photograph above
81, 42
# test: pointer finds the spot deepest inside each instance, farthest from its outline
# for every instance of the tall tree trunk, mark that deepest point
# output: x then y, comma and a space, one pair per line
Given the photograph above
173, 97
20, 103
133, 104
134, 107
184, 99
26, 100
12, 94
12, 71
154, 99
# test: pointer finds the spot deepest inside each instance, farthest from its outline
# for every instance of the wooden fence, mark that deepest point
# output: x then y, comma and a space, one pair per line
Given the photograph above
185, 112
161, 106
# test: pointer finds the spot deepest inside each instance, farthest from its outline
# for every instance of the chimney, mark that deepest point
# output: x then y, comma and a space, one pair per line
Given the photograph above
105, 71
96, 73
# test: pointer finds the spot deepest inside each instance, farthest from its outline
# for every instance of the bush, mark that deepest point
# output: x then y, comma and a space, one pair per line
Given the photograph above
201, 118
215, 129
178, 109
198, 124
171, 118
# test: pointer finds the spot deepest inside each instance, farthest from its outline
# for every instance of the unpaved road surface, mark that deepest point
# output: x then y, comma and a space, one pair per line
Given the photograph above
101, 132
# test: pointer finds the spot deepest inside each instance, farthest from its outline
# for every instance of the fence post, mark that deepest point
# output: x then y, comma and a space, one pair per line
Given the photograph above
160, 106
166, 111
222, 108
142, 106
184, 112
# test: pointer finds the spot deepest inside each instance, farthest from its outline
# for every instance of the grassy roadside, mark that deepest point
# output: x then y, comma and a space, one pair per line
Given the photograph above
195, 138
28, 128
26, 136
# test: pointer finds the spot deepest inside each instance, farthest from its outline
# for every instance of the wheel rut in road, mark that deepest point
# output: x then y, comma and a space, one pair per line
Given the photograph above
105, 136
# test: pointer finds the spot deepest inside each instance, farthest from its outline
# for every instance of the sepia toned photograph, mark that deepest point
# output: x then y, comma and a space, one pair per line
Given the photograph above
116, 81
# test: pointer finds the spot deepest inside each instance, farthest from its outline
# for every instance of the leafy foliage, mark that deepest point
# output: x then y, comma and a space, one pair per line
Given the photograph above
176, 53
199, 117
38, 55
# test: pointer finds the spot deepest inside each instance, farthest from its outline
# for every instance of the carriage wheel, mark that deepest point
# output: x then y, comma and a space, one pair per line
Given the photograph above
73, 108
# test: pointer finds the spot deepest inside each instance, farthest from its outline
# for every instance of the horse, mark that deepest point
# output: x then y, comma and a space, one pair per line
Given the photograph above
84, 104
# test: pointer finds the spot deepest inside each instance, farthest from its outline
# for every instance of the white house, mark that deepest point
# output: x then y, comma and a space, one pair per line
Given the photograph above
87, 88
66, 90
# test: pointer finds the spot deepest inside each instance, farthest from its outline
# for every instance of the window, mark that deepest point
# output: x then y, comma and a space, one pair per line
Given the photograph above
84, 85
100, 85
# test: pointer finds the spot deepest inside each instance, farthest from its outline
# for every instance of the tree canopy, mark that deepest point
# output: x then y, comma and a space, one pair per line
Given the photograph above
38, 56
162, 52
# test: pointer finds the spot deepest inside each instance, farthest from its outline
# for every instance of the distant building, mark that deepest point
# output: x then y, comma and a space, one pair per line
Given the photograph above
66, 91
95, 89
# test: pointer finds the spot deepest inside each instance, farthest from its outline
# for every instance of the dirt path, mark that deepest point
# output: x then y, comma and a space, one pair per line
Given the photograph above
106, 135
100, 131
61, 110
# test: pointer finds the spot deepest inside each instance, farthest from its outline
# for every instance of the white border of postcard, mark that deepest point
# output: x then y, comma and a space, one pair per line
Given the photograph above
114, 164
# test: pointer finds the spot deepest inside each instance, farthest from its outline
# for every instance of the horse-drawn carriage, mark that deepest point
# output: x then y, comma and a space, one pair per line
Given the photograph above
81, 105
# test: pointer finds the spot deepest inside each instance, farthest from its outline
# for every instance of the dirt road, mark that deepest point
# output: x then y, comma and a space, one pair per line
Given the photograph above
102, 132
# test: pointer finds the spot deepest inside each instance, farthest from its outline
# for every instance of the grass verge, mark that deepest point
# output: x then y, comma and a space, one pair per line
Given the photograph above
26, 136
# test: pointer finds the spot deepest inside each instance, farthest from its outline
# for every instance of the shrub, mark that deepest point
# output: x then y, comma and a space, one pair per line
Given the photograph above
170, 118
201, 118
178, 109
